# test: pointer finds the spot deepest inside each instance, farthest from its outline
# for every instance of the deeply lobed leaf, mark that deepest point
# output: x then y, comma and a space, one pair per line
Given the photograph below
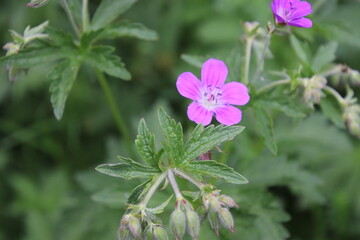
128, 29
145, 143
128, 169
63, 77
215, 169
202, 140
173, 145
108, 11
101, 57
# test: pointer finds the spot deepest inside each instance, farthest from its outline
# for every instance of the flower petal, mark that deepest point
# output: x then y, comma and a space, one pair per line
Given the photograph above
301, 22
302, 9
235, 93
189, 85
199, 114
214, 73
228, 115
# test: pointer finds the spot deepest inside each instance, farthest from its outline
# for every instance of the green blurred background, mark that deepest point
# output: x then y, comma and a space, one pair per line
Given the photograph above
50, 190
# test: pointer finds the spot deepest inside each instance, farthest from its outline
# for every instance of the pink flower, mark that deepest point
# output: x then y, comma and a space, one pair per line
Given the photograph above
292, 12
211, 96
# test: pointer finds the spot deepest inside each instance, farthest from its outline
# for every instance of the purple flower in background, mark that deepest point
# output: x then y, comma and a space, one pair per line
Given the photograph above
211, 96
292, 12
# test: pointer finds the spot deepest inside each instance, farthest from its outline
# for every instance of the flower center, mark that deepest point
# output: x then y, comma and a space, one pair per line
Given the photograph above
210, 97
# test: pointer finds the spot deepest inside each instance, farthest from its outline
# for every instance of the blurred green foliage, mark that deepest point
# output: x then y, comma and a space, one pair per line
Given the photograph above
50, 190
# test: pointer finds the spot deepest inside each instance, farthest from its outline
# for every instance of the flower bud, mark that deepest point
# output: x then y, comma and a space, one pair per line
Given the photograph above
214, 204
202, 211
156, 232
192, 224
124, 233
228, 201
135, 226
251, 27
178, 223
226, 219
351, 116
313, 89
214, 222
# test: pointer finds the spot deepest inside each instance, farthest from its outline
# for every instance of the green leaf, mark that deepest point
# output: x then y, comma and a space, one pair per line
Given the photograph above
128, 169
202, 140
300, 49
145, 143
159, 209
265, 126
88, 38
138, 192
31, 57
127, 29
217, 170
101, 57
324, 55
59, 37
173, 145
62, 77
108, 11
196, 61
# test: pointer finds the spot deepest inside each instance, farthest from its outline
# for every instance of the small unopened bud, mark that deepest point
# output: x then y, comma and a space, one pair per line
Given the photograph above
313, 89
226, 219
214, 222
228, 201
251, 27
351, 116
135, 226
193, 224
156, 232
214, 204
124, 233
178, 223
202, 211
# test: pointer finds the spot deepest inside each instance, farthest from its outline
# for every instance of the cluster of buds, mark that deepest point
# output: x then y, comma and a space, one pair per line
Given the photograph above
19, 42
216, 209
155, 232
184, 218
313, 89
351, 113
342, 73
130, 227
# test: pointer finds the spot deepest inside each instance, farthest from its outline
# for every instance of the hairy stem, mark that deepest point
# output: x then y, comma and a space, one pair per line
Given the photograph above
70, 16
249, 42
272, 85
174, 184
120, 123
261, 62
153, 188
180, 173
338, 97
85, 15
